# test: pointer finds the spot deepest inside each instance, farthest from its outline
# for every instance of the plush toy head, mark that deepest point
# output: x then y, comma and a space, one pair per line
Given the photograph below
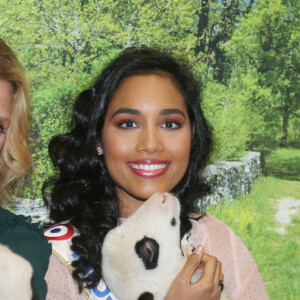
15, 276
142, 256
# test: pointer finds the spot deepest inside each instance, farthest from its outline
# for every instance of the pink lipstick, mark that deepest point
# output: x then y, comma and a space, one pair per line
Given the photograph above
149, 168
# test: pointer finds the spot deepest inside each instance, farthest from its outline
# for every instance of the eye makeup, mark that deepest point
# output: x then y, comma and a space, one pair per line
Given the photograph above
172, 125
127, 124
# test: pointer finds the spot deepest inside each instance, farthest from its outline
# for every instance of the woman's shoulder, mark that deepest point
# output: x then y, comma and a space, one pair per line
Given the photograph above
204, 218
27, 240
20, 230
6, 216
214, 234
60, 236
207, 223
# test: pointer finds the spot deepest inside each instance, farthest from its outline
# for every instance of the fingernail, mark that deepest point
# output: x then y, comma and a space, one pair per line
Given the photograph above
199, 250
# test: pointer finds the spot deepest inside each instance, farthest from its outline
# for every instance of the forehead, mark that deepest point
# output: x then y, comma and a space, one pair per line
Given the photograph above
151, 92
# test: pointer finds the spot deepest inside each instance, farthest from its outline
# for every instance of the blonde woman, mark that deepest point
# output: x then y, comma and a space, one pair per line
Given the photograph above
17, 232
14, 121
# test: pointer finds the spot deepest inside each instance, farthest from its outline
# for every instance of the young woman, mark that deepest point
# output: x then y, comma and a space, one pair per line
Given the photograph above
138, 130
17, 232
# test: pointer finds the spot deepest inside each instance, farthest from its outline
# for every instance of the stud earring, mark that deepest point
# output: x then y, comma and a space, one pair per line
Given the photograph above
99, 151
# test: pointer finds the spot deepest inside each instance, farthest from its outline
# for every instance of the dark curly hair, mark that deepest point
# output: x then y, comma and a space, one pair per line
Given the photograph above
82, 191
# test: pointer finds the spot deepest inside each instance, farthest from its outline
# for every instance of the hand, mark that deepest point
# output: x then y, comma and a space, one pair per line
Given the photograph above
207, 287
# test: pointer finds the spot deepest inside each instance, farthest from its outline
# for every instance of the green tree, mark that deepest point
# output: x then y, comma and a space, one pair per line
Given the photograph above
64, 44
268, 42
214, 25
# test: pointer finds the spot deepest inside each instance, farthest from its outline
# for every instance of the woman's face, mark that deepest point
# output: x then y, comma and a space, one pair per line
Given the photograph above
5, 109
146, 138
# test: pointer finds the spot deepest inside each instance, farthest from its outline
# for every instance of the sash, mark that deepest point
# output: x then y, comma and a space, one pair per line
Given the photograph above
60, 236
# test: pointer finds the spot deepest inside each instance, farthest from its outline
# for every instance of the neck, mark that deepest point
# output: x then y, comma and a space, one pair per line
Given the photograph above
128, 204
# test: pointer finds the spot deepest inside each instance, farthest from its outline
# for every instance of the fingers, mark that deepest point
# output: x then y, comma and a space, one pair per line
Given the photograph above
212, 274
207, 287
210, 269
221, 279
217, 274
192, 263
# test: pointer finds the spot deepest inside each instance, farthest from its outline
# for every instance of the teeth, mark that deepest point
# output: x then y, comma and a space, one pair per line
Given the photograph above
148, 167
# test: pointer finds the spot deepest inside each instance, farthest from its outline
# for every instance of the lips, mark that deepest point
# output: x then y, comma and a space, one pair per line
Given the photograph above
149, 168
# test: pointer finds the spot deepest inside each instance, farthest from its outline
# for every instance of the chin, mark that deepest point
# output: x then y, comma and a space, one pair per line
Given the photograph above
147, 194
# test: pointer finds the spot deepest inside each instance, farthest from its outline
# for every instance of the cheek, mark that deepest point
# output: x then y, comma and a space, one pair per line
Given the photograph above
180, 149
116, 148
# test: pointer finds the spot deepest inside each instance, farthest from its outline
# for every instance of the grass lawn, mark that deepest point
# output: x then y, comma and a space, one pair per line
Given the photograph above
284, 163
252, 218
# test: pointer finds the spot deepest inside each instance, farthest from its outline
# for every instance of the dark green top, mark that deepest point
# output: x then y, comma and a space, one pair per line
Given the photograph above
27, 240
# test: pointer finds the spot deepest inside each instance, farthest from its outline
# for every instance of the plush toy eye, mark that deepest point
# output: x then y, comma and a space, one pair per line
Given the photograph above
173, 222
147, 250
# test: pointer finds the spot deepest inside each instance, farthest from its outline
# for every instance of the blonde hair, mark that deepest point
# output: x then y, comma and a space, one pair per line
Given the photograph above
15, 158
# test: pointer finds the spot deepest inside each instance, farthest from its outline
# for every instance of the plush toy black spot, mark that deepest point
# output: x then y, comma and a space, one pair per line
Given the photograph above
148, 250
146, 296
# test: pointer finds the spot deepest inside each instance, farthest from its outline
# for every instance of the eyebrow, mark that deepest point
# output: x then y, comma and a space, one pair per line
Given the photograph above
164, 112
126, 111
171, 111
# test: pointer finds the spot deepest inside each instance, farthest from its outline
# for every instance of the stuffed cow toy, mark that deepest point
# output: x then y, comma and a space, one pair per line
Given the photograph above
15, 276
142, 257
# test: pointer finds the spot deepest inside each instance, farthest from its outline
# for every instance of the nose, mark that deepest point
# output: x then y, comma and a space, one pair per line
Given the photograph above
161, 199
150, 141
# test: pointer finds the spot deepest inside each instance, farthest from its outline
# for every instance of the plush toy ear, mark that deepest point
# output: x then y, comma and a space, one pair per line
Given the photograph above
146, 296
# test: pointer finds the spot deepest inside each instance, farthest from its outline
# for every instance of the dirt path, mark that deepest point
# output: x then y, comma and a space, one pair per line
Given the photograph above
287, 207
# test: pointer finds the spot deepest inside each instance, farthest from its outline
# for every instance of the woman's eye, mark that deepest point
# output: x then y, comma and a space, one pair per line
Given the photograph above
128, 124
1, 129
171, 125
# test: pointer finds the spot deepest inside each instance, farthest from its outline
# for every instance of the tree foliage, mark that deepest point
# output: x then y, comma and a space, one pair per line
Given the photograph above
269, 43
245, 52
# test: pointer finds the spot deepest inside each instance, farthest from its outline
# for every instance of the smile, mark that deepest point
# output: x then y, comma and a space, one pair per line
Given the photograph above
149, 168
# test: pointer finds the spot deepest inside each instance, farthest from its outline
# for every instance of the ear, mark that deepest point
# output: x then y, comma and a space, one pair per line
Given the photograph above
99, 149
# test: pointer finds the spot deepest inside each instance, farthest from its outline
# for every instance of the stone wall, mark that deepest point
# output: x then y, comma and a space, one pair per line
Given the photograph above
230, 179
227, 179
34, 208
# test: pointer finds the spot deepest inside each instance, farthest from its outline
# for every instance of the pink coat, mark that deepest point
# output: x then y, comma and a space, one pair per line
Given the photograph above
241, 276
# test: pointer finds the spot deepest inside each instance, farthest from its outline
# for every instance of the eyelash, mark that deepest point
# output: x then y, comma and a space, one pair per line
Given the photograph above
124, 124
178, 124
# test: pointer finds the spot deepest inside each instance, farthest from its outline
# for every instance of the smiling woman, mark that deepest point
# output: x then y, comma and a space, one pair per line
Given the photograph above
137, 131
